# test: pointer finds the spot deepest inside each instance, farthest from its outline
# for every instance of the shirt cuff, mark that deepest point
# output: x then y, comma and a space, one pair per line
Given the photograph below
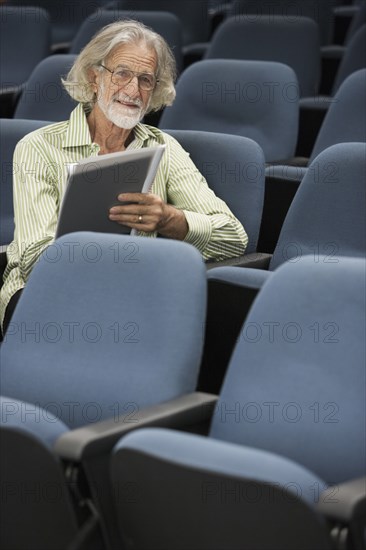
199, 229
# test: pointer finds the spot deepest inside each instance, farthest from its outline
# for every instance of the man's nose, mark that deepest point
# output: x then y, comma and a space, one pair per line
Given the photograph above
133, 85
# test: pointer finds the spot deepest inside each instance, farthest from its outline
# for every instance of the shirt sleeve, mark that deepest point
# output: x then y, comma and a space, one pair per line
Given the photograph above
212, 227
36, 201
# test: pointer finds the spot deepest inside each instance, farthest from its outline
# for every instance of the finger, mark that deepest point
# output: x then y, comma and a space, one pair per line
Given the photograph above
131, 197
139, 198
141, 222
127, 209
134, 219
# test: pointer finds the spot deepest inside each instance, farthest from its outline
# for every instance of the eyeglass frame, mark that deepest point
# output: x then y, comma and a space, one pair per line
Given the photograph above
134, 73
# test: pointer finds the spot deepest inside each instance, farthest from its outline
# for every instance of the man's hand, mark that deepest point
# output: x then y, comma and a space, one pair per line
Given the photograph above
149, 213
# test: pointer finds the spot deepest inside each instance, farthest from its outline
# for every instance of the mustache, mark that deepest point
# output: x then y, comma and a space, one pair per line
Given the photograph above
123, 97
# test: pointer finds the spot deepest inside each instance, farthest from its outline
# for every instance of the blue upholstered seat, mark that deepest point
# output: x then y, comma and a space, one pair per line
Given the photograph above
11, 131
344, 122
65, 17
234, 169
193, 16
164, 23
321, 11
43, 97
37, 509
291, 41
325, 219
88, 322
25, 40
106, 326
254, 99
286, 434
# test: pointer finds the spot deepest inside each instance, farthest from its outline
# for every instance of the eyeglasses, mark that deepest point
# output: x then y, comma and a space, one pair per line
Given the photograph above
122, 76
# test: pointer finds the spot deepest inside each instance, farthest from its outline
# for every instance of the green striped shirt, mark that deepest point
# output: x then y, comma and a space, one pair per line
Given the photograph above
40, 174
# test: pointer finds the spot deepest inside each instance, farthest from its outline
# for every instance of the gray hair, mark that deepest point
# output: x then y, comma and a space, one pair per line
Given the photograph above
77, 82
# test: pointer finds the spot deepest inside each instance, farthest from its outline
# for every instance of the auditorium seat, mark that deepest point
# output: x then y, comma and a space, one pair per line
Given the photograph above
283, 466
43, 96
325, 220
11, 131
254, 99
38, 509
25, 40
294, 42
234, 169
353, 59
106, 326
192, 14
321, 11
345, 121
65, 17
164, 23
314, 108
333, 53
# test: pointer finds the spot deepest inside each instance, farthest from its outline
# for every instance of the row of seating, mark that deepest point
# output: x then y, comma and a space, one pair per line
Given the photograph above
270, 121
261, 39
119, 350
198, 18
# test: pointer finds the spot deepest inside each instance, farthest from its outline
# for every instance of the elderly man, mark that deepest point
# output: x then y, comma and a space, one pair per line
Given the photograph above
125, 71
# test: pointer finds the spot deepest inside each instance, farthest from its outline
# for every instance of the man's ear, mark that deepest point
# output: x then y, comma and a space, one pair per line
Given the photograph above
94, 79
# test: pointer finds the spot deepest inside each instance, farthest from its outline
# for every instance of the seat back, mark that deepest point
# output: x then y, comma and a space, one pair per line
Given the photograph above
107, 324
65, 17
353, 59
11, 131
254, 99
44, 97
164, 23
295, 383
36, 510
195, 21
346, 117
234, 169
294, 42
327, 215
25, 38
321, 11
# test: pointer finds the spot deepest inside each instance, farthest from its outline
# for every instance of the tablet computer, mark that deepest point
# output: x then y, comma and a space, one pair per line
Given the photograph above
94, 184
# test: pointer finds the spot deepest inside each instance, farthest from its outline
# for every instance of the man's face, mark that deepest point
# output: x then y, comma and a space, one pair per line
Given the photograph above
125, 103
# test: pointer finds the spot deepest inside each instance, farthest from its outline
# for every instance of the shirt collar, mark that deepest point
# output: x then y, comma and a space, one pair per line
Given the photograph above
77, 133
143, 133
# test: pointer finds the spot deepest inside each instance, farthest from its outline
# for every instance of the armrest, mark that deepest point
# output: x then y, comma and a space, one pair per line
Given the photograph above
60, 47
82, 443
344, 502
240, 278
316, 103
332, 51
285, 174
258, 260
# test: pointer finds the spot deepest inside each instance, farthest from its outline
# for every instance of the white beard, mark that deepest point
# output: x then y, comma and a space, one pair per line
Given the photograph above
120, 115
